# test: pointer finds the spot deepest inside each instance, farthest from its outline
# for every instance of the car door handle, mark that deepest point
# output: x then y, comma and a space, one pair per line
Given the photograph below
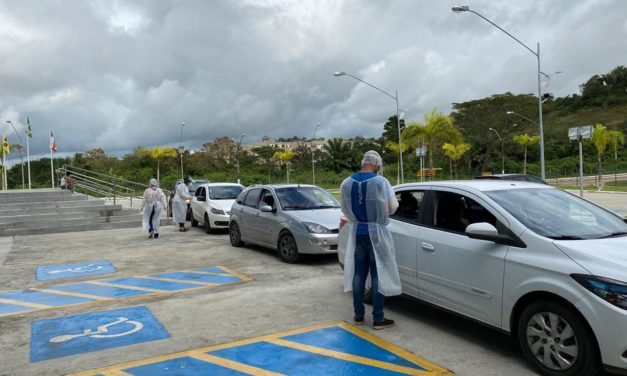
427, 247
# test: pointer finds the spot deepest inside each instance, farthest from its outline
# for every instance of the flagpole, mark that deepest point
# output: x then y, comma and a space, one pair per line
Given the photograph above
51, 163
28, 160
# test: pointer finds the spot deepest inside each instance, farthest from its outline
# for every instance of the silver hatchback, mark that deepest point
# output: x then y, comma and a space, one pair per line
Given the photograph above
293, 219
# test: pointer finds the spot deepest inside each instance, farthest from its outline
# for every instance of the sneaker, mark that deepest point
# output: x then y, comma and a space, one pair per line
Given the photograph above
386, 323
156, 235
151, 235
358, 321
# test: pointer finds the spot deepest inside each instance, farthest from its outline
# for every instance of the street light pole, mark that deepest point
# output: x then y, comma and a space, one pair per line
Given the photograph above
313, 161
398, 121
181, 148
465, 8
239, 145
21, 150
502, 150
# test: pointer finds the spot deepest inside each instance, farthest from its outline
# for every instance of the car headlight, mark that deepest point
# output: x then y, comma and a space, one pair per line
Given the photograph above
610, 290
316, 228
217, 211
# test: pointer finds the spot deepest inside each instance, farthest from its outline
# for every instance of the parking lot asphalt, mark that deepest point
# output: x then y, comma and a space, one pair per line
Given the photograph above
279, 297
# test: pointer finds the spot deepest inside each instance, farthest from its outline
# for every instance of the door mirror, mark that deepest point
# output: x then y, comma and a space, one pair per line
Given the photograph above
201, 198
485, 231
266, 209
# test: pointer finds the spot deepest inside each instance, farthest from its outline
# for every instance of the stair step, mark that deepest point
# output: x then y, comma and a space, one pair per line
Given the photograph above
51, 204
60, 211
42, 198
75, 218
78, 228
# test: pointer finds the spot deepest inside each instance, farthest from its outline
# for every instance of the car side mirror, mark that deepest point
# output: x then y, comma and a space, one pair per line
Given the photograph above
486, 231
266, 209
201, 198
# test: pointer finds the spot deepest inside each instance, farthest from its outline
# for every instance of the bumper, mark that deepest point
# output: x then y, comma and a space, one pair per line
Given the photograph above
609, 324
317, 243
219, 220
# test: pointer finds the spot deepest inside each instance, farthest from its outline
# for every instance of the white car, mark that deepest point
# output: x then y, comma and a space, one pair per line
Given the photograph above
211, 204
529, 259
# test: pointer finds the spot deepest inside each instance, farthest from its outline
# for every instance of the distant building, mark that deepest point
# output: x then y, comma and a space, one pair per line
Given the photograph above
286, 145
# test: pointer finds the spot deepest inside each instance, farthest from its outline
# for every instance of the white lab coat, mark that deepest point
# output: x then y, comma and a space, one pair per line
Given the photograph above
153, 198
179, 203
380, 202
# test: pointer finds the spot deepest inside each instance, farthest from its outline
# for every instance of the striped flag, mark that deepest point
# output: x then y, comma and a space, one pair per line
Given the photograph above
29, 131
53, 144
5, 145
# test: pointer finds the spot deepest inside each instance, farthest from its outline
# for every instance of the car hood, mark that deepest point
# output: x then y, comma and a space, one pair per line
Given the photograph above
222, 204
329, 218
601, 257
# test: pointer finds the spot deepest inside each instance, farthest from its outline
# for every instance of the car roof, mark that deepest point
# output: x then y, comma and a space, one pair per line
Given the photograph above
220, 185
282, 186
481, 185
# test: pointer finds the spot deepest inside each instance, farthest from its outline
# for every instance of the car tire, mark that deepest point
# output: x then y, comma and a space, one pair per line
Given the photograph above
194, 221
234, 235
577, 354
287, 248
208, 228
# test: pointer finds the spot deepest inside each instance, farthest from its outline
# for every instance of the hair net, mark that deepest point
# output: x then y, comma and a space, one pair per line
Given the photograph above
371, 157
153, 182
187, 180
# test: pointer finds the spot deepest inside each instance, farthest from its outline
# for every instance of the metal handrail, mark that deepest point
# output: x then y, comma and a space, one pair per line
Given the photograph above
103, 184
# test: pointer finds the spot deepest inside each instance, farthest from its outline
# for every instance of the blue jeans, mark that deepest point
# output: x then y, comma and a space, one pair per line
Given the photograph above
365, 262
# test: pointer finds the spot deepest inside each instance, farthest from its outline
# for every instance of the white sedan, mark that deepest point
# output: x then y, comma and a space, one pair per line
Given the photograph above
211, 204
529, 259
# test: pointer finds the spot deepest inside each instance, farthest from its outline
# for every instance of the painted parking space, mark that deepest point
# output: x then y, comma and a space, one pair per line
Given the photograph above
77, 334
85, 292
333, 348
81, 269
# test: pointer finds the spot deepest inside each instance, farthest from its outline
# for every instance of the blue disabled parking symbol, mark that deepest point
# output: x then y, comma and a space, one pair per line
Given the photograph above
60, 337
80, 269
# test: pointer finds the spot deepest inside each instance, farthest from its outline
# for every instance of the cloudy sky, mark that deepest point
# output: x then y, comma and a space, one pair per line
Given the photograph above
119, 74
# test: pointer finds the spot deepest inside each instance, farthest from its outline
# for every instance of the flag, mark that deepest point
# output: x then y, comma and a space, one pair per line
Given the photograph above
29, 131
5, 145
53, 144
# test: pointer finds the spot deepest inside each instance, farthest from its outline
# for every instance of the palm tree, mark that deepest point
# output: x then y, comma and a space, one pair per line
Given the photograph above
285, 157
436, 129
525, 140
157, 153
339, 154
616, 137
600, 139
455, 152
393, 146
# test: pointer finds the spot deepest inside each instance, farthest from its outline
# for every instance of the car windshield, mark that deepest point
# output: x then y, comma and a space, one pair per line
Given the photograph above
224, 192
305, 198
559, 215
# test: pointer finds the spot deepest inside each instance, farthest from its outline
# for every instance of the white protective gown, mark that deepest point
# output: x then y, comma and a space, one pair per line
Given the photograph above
153, 198
380, 202
179, 205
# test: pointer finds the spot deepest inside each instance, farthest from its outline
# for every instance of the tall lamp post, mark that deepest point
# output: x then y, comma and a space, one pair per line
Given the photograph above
502, 150
181, 148
21, 150
313, 160
398, 120
465, 8
239, 145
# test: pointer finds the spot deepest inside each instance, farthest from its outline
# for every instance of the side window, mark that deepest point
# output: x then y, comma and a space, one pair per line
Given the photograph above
266, 199
409, 206
252, 197
200, 192
453, 212
240, 197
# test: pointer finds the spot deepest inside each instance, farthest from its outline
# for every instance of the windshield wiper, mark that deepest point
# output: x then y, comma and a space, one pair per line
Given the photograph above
326, 206
566, 237
614, 234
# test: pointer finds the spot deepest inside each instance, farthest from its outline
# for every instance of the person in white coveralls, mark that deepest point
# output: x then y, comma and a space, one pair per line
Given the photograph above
179, 203
153, 204
367, 201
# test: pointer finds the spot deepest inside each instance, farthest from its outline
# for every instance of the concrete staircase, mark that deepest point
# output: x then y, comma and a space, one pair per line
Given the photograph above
47, 211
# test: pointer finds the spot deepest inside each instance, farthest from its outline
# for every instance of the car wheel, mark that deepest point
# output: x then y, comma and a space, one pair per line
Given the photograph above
288, 251
557, 340
194, 221
208, 229
234, 235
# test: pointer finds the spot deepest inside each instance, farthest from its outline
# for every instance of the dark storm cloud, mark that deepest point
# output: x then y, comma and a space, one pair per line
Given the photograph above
118, 74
